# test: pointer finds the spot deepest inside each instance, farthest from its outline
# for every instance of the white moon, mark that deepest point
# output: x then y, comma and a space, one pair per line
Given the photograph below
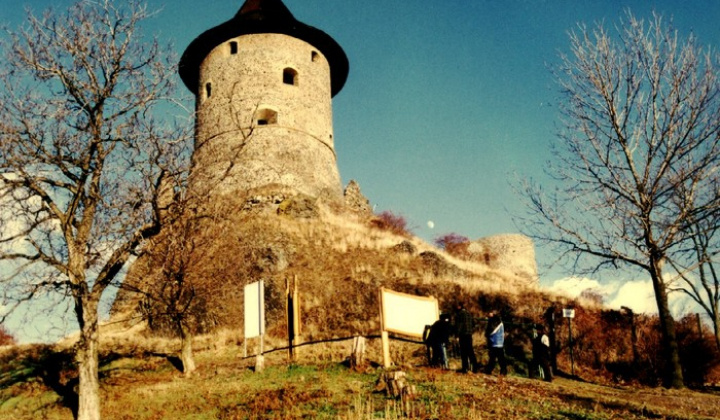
431, 224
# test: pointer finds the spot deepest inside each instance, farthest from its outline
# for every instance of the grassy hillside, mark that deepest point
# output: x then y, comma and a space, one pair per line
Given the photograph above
340, 259
140, 382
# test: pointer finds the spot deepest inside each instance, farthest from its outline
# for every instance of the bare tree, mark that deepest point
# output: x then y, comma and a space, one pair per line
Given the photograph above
172, 293
83, 158
641, 114
698, 272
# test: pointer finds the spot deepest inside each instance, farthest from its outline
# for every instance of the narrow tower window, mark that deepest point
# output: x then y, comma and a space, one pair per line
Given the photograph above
266, 116
290, 76
233, 47
208, 89
314, 56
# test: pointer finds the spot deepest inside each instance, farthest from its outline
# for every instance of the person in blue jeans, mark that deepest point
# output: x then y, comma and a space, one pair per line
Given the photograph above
439, 340
495, 336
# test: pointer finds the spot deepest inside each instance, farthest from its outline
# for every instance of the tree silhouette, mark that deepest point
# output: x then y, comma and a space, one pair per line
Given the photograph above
637, 156
84, 159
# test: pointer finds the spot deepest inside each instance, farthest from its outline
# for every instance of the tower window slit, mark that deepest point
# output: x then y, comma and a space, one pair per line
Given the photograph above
208, 89
290, 76
266, 116
233, 47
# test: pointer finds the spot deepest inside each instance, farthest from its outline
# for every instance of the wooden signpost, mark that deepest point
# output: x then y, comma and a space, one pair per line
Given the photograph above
292, 316
404, 314
255, 318
570, 314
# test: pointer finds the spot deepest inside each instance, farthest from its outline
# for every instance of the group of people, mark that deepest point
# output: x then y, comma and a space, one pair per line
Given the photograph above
438, 339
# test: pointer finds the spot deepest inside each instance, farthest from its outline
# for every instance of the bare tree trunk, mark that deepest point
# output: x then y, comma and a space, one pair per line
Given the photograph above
87, 360
716, 328
186, 353
673, 375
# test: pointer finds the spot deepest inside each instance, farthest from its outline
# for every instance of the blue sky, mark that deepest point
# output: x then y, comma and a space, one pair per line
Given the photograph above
446, 101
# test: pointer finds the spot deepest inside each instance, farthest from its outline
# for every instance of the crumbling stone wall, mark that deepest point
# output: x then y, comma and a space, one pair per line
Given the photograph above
510, 252
355, 200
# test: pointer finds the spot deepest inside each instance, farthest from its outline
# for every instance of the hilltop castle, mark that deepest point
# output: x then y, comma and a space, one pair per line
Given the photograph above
265, 200
264, 83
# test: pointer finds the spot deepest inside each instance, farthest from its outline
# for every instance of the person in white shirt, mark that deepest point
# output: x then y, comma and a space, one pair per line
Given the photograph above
541, 355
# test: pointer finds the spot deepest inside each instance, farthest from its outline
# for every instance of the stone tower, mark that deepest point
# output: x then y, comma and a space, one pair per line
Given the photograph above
264, 84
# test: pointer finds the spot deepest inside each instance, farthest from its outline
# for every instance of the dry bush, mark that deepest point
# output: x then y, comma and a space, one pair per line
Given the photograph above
606, 349
5, 338
699, 354
454, 244
391, 222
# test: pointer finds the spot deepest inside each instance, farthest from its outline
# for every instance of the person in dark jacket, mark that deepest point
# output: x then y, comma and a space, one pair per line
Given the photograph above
495, 336
464, 328
439, 341
541, 355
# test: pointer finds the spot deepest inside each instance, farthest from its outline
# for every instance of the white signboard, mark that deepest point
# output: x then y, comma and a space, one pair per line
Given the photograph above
254, 309
568, 313
408, 314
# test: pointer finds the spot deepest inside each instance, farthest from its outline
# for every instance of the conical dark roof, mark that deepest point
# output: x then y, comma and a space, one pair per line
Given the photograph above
263, 17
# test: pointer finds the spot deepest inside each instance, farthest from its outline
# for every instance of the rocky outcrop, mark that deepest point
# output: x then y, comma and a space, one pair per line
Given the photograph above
405, 247
300, 207
355, 200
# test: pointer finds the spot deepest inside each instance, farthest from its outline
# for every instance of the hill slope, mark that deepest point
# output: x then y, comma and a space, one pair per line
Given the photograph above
137, 384
338, 256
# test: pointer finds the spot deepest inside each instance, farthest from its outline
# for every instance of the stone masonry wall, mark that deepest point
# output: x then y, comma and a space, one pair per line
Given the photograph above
510, 252
256, 129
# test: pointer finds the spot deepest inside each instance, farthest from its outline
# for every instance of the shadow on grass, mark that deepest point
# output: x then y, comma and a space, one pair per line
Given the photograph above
56, 370
592, 403
174, 361
53, 369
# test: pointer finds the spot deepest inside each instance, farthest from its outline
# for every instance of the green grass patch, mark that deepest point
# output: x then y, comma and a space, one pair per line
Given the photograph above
226, 387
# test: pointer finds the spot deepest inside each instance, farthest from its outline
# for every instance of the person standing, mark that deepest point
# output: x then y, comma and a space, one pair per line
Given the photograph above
541, 355
495, 336
439, 340
464, 327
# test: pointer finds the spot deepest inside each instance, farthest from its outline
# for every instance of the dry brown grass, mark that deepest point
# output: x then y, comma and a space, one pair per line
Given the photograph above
340, 261
318, 385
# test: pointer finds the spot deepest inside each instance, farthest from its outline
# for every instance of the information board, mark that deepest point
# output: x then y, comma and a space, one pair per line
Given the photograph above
408, 314
254, 309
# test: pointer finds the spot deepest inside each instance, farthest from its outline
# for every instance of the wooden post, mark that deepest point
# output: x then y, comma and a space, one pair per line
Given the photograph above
633, 339
357, 358
570, 343
292, 315
396, 386
550, 319
384, 334
386, 349
261, 306
633, 333
297, 330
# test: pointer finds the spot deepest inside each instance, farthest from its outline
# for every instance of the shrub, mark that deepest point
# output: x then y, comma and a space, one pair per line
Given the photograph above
5, 338
453, 243
391, 222
698, 352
